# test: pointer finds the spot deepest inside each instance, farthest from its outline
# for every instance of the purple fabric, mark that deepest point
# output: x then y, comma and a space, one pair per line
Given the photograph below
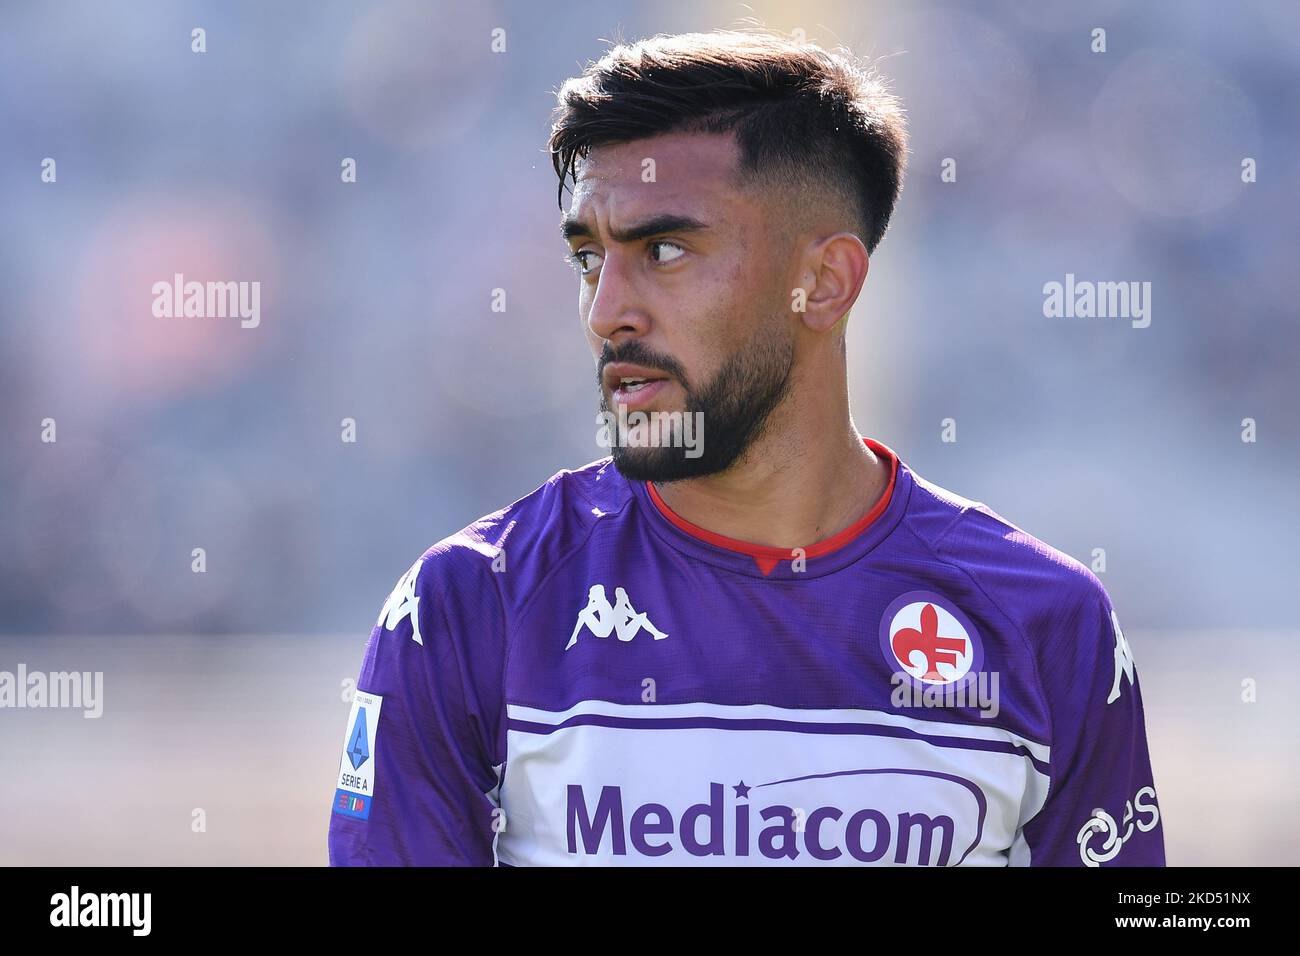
795, 639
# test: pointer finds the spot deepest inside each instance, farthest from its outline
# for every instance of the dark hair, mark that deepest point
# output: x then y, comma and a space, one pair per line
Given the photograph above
800, 114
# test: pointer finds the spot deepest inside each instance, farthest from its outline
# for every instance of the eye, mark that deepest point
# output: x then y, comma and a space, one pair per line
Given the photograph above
676, 253
579, 260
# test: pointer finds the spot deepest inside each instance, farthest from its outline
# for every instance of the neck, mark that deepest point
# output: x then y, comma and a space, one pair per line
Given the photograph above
786, 491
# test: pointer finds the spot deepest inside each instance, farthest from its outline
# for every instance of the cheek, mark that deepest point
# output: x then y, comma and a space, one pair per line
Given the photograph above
708, 323
699, 360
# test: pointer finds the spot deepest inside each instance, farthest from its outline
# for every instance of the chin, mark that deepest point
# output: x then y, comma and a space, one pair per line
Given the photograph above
660, 465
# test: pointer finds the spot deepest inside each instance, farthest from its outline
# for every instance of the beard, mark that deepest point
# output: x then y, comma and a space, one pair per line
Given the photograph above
733, 407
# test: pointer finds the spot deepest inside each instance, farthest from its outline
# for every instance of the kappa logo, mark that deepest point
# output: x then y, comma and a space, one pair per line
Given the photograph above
404, 602
603, 619
929, 639
1123, 660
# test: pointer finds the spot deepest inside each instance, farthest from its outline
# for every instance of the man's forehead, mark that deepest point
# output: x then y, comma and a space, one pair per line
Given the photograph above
679, 167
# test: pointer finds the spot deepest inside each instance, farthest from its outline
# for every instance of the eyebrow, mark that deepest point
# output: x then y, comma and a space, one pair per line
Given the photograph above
572, 228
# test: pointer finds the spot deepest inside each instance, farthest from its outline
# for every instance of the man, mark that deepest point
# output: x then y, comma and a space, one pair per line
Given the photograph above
817, 656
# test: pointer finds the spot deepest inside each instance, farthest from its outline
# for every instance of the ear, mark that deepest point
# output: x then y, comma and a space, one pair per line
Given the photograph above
833, 271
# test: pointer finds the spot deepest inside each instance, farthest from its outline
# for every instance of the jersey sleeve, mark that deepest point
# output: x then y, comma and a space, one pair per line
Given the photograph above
1101, 806
419, 775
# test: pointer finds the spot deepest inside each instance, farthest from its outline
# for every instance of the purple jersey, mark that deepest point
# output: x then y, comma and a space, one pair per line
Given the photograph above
586, 678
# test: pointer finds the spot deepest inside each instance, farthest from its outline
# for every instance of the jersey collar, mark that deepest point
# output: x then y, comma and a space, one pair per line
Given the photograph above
822, 557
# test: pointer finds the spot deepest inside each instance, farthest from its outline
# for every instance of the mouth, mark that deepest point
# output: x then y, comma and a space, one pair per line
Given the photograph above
633, 385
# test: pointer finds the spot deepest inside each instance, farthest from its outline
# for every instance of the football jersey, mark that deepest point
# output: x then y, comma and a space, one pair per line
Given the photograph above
586, 678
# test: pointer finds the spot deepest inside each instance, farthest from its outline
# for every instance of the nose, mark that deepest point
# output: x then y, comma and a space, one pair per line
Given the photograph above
616, 312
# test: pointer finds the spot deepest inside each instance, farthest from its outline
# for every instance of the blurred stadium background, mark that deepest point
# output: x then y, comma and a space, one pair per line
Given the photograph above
223, 690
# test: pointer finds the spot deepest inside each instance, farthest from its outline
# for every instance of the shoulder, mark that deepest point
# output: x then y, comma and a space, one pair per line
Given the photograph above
504, 554
1041, 587
1055, 603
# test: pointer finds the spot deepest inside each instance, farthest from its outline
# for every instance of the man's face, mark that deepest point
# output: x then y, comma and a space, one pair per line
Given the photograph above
683, 297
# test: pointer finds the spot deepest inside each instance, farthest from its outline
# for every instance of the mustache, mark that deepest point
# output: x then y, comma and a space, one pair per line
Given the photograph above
637, 353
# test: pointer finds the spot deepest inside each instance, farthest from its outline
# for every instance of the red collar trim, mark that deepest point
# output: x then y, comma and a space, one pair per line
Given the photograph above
767, 557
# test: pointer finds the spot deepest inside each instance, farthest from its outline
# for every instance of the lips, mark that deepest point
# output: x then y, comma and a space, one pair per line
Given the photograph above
633, 385
639, 396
